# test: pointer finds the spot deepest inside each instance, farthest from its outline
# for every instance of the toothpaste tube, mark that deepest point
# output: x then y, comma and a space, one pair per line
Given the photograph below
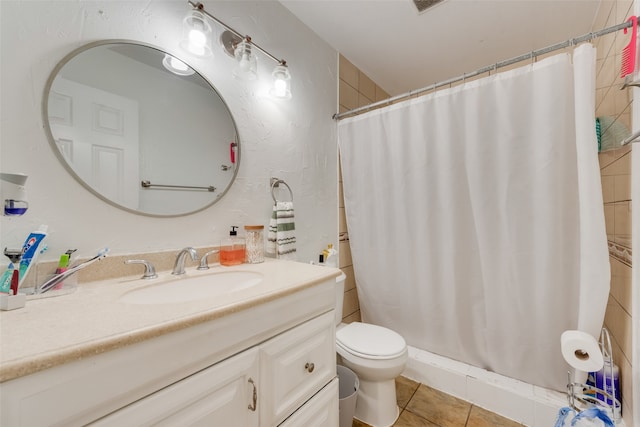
5, 282
31, 251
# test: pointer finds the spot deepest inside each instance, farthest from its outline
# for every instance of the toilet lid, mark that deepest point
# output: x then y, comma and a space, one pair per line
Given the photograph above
370, 340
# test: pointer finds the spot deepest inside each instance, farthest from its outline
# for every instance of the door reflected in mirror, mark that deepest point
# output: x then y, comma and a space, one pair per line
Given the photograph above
141, 129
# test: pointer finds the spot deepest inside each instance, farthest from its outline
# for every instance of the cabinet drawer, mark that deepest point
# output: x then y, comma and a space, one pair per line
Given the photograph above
320, 411
294, 366
218, 396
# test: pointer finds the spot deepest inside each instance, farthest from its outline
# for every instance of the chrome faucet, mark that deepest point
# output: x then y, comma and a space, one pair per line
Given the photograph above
204, 265
178, 267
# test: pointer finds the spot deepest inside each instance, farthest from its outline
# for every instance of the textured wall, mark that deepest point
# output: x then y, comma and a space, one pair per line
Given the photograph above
294, 140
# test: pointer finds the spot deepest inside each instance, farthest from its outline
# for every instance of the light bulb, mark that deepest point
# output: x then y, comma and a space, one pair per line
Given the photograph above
197, 38
176, 66
281, 82
196, 34
247, 62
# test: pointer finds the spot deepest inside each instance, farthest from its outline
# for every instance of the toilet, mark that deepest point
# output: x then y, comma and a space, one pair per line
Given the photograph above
377, 355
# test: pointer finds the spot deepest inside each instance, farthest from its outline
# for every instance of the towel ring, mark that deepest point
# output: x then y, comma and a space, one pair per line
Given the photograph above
275, 183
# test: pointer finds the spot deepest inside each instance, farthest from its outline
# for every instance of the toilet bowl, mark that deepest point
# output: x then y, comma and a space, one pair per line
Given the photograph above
377, 355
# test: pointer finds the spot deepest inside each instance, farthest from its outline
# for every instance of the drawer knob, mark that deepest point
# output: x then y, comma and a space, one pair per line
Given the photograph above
309, 367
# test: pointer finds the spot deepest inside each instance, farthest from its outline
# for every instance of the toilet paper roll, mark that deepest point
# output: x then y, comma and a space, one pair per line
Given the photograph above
581, 351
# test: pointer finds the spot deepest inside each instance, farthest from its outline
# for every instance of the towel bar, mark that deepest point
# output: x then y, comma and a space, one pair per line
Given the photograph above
275, 183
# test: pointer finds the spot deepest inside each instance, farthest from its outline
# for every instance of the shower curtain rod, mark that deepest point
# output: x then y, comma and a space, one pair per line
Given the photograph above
530, 55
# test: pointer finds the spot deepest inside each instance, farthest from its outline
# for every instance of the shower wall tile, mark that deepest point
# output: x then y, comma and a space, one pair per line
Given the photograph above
355, 317
622, 223
609, 157
622, 187
350, 305
381, 94
348, 72
609, 215
348, 96
350, 281
345, 254
618, 165
608, 189
363, 100
367, 87
342, 221
618, 322
621, 284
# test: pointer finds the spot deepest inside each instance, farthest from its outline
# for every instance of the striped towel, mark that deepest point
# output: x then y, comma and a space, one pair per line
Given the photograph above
281, 239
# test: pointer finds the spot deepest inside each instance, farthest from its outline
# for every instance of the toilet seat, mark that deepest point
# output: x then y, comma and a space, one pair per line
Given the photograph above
370, 341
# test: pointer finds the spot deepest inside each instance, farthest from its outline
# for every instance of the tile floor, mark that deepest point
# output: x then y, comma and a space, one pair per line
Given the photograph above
423, 406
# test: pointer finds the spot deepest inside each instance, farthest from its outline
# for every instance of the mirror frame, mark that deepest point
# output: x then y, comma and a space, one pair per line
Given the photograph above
47, 127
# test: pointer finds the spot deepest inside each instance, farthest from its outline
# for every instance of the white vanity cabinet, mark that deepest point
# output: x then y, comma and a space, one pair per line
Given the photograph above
268, 364
261, 386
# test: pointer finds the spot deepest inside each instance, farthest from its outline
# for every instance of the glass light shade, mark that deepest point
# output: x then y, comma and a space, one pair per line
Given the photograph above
281, 82
247, 66
176, 66
196, 34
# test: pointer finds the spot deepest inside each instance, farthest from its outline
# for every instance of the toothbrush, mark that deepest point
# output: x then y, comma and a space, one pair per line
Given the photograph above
46, 286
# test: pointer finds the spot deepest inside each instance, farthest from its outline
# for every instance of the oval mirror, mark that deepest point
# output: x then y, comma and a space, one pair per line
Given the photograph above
141, 129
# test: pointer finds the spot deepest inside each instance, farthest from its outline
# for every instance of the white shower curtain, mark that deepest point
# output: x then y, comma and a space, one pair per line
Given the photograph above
475, 217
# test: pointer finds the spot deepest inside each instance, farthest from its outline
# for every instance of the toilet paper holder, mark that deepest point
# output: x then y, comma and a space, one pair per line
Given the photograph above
581, 396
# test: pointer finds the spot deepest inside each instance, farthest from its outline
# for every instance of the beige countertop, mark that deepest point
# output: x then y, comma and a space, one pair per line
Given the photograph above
51, 331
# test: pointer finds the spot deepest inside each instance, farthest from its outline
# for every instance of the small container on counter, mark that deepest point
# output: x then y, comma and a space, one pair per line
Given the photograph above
254, 237
232, 249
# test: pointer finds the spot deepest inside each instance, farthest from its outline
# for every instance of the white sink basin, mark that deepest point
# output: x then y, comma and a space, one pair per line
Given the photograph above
184, 289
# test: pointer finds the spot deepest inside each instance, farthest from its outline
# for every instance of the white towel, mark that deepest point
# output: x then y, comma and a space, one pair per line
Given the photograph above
281, 239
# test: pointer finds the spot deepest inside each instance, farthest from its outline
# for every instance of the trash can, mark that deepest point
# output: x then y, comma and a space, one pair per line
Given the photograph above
348, 394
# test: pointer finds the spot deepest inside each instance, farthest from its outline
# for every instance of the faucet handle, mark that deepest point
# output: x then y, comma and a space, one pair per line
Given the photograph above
203, 261
149, 269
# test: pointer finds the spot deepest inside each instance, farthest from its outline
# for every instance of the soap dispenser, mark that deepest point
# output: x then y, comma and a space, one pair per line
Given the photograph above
232, 249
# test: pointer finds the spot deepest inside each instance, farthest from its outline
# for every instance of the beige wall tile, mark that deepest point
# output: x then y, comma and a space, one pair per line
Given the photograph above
345, 254
350, 304
622, 223
609, 157
355, 317
608, 189
607, 106
620, 166
609, 219
342, 222
381, 94
618, 322
622, 188
348, 96
363, 100
621, 284
350, 281
367, 87
348, 72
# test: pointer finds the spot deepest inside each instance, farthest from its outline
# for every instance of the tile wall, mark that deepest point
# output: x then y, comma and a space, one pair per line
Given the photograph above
615, 171
356, 90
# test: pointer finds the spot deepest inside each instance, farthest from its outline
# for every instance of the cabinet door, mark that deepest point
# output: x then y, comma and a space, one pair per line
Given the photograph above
222, 395
294, 366
320, 411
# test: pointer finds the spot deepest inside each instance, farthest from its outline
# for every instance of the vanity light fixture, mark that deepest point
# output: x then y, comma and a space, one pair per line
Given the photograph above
281, 81
196, 34
176, 66
196, 39
247, 66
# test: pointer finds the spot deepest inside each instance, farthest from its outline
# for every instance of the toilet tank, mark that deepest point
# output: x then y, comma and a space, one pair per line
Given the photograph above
339, 297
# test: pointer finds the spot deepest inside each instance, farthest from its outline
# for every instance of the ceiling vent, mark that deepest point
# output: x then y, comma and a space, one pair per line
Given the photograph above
423, 5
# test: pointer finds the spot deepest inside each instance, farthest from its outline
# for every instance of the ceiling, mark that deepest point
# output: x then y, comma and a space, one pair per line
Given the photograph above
401, 49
